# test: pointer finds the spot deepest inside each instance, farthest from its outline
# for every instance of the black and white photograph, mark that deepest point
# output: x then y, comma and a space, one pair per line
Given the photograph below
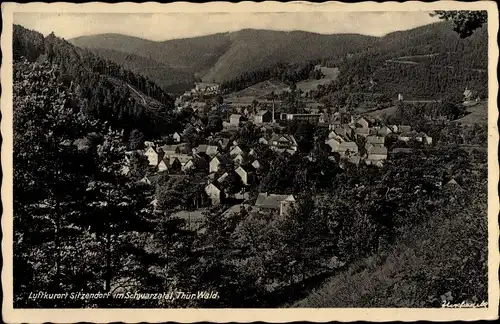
252, 157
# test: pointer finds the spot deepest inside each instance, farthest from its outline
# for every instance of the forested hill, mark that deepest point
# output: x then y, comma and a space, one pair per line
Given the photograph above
403, 61
170, 79
427, 63
105, 89
224, 56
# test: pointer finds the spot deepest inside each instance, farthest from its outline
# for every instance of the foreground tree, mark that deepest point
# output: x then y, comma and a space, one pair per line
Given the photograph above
465, 22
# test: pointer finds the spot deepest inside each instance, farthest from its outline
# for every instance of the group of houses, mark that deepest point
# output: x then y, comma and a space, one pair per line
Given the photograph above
342, 139
220, 162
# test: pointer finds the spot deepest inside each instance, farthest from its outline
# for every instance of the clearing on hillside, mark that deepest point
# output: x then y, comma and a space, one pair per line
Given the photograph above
478, 114
261, 90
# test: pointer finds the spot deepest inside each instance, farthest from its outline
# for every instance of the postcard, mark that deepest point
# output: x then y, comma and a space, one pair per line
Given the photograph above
240, 162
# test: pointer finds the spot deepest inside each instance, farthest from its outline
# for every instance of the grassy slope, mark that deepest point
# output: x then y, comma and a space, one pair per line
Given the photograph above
444, 254
260, 90
478, 114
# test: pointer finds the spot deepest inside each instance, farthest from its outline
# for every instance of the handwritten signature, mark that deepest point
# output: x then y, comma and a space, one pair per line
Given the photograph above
464, 304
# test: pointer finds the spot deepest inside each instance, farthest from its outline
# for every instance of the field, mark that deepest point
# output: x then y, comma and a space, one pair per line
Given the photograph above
261, 90
258, 91
330, 74
382, 112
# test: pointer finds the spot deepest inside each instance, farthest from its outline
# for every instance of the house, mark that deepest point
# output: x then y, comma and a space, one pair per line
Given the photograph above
365, 132
196, 162
362, 122
222, 177
263, 116
206, 87
377, 163
404, 128
125, 170
384, 131
212, 150
369, 147
256, 164
163, 165
235, 150
347, 148
235, 119
182, 159
406, 136
213, 193
217, 162
334, 144
377, 153
175, 149
238, 159
263, 140
281, 203
152, 156
243, 175
332, 134
377, 141
400, 97
283, 142
312, 118
214, 164
200, 149
422, 137
468, 94
251, 152
393, 128
145, 180
339, 131
176, 137
453, 184
427, 139
150, 180
223, 142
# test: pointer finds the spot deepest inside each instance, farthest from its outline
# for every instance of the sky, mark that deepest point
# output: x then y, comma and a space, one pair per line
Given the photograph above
165, 26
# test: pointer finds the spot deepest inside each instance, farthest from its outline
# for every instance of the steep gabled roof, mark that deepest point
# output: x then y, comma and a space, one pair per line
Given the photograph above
212, 150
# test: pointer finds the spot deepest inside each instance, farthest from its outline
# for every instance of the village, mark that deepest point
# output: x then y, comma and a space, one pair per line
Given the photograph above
219, 158
269, 166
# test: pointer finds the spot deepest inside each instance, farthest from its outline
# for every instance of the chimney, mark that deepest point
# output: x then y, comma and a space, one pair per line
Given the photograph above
273, 120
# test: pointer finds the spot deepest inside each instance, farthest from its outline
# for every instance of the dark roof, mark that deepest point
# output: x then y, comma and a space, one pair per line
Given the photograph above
262, 112
202, 148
